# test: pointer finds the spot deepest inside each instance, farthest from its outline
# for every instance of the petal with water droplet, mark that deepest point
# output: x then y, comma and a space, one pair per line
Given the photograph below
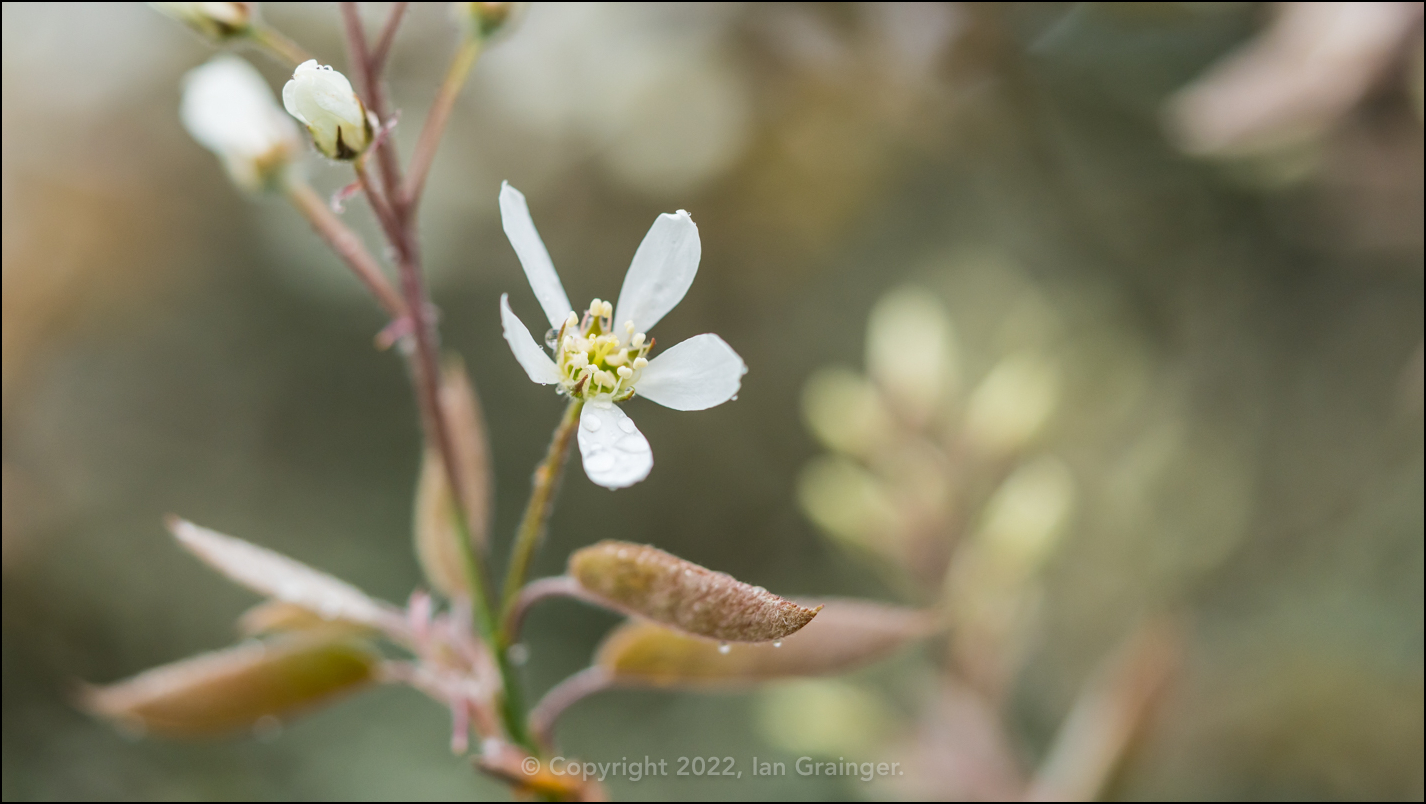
614, 452
532, 358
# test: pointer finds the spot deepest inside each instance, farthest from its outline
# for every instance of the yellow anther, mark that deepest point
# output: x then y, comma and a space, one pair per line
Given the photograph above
596, 307
626, 372
629, 327
638, 340
572, 321
639, 363
607, 309
617, 359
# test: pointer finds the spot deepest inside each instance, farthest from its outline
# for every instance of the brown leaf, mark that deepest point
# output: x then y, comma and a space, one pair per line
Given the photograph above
275, 575
435, 524
847, 634
642, 580
278, 616
237, 688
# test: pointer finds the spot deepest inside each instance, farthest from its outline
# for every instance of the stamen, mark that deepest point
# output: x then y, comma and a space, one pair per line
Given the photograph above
607, 310
626, 372
629, 327
638, 340
639, 363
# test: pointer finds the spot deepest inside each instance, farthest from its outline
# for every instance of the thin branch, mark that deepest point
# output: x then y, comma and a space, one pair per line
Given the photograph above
1112, 707
388, 35
535, 592
435, 125
368, 74
279, 46
564, 695
537, 510
379, 207
347, 245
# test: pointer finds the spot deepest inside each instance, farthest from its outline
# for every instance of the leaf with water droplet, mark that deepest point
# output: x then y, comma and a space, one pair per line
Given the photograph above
845, 635
245, 687
273, 574
645, 581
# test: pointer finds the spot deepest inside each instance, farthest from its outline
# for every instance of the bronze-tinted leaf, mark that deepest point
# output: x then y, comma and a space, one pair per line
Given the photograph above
643, 580
435, 524
237, 688
275, 575
846, 635
279, 616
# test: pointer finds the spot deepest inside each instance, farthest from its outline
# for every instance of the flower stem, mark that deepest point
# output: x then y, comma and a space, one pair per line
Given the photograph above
346, 243
537, 512
388, 35
278, 45
435, 125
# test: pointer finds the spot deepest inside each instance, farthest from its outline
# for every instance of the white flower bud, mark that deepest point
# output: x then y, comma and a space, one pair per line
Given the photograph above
230, 110
217, 21
323, 100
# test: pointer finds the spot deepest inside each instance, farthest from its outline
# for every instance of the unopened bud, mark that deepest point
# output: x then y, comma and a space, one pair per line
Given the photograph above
324, 101
231, 111
216, 21
486, 18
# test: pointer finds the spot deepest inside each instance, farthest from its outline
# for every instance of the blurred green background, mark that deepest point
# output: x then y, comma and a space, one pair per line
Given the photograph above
1238, 335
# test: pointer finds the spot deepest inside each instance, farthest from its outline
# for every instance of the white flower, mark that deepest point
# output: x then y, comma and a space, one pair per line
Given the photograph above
217, 21
602, 356
231, 111
323, 100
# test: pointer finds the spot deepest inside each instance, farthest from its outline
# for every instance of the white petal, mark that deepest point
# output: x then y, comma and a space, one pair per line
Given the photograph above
660, 274
532, 358
539, 269
615, 453
699, 373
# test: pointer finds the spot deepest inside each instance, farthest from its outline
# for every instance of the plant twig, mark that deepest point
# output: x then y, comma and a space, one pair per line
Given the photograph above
534, 592
562, 696
368, 72
537, 510
1111, 708
388, 35
346, 244
435, 123
280, 46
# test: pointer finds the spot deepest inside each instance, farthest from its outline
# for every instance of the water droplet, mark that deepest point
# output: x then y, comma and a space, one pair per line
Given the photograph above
777, 644
552, 339
627, 425
735, 397
519, 654
592, 423
632, 444
267, 728
724, 648
759, 589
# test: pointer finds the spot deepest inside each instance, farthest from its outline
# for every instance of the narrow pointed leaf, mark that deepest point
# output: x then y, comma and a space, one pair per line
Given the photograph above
845, 635
237, 688
277, 576
435, 526
281, 617
642, 580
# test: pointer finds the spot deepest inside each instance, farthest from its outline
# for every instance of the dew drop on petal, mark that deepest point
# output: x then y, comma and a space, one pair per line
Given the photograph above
777, 644
627, 425
724, 648
552, 339
592, 423
599, 462
632, 444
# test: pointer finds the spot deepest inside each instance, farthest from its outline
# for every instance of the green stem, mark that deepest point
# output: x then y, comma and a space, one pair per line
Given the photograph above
537, 512
278, 45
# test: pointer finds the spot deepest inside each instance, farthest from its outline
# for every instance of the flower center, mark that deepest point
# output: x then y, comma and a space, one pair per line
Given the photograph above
593, 361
